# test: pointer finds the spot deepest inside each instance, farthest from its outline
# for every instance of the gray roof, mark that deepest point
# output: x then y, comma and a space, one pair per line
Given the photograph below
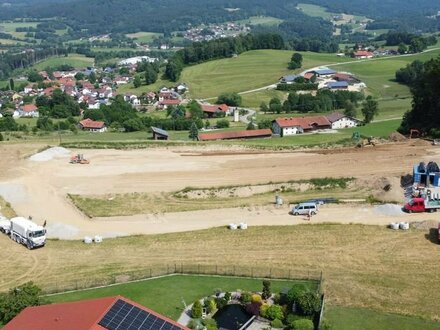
159, 131
337, 84
335, 116
289, 78
324, 71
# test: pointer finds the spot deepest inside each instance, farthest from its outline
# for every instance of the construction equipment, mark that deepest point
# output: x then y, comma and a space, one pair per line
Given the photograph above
370, 141
414, 133
79, 159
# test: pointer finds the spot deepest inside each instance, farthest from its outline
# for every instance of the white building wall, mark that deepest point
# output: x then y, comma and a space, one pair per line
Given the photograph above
291, 131
344, 123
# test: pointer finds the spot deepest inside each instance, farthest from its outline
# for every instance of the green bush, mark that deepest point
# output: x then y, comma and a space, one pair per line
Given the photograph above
275, 312
221, 302
309, 303
246, 298
263, 310
210, 324
222, 123
302, 324
277, 323
266, 289
196, 310
294, 292
228, 296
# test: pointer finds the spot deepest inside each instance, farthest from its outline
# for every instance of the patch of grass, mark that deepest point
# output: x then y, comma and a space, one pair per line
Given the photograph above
165, 295
343, 318
261, 20
315, 11
75, 60
145, 37
6, 209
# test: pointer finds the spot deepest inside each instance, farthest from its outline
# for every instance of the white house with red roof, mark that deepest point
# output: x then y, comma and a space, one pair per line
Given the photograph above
299, 125
92, 125
339, 120
362, 54
212, 109
26, 111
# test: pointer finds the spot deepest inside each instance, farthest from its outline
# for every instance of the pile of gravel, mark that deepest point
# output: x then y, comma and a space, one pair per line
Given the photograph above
50, 154
389, 209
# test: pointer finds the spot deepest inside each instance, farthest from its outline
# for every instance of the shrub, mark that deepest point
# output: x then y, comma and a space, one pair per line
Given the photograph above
302, 324
1, 137
294, 292
227, 296
246, 298
210, 304
257, 298
210, 324
217, 291
222, 123
275, 312
266, 289
309, 303
253, 308
196, 310
221, 302
277, 324
263, 310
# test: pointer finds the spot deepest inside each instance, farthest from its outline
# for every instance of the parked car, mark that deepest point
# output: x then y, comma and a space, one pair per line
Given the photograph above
305, 208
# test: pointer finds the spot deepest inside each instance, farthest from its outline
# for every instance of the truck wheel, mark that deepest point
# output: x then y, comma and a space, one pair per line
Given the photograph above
313, 213
296, 213
431, 210
29, 246
409, 211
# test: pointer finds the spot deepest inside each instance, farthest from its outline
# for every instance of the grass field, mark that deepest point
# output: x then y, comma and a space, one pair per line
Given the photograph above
145, 37
315, 11
261, 20
9, 27
342, 318
172, 290
363, 266
75, 60
253, 69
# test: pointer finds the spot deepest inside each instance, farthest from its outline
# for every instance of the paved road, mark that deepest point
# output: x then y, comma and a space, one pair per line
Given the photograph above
247, 117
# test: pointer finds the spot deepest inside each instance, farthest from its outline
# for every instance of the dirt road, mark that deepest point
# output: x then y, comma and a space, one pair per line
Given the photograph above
40, 188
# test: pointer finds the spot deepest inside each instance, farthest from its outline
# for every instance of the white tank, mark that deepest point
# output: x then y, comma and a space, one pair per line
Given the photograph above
98, 239
394, 225
88, 240
232, 226
243, 225
404, 225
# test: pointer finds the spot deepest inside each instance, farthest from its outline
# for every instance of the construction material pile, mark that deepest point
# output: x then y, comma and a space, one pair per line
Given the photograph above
49, 154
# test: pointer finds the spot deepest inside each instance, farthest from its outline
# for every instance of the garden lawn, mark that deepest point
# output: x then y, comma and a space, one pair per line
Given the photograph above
166, 295
261, 20
344, 318
144, 37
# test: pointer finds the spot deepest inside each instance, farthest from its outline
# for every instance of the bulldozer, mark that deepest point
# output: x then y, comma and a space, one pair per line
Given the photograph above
370, 141
79, 159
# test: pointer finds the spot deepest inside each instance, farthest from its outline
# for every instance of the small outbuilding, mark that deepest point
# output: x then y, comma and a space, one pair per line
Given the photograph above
159, 134
92, 125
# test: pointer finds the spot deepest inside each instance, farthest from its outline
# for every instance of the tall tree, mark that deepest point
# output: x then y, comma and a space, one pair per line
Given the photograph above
349, 109
370, 108
193, 131
11, 84
137, 82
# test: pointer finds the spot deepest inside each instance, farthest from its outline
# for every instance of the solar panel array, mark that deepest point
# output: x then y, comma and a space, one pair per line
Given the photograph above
124, 316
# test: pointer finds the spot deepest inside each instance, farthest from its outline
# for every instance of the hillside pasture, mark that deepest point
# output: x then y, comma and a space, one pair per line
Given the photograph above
10, 27
144, 37
75, 60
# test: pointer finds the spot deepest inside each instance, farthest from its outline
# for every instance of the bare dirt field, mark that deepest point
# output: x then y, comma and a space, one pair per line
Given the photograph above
40, 188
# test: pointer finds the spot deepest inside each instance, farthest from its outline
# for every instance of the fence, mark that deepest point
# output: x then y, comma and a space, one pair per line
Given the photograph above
198, 269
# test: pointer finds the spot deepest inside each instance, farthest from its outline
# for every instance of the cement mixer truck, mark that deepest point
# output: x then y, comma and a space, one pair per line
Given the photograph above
26, 232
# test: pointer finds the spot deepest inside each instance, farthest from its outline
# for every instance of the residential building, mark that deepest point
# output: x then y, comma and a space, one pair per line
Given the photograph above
362, 54
92, 125
339, 120
27, 110
299, 125
109, 313
212, 109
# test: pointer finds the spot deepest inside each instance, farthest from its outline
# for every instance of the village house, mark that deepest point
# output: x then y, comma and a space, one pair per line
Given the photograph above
362, 54
299, 125
164, 104
92, 126
322, 72
339, 120
337, 85
26, 111
289, 79
216, 110
109, 313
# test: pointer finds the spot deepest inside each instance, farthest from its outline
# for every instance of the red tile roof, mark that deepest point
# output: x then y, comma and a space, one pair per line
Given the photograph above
360, 53
257, 133
308, 75
306, 123
214, 108
91, 124
29, 108
79, 315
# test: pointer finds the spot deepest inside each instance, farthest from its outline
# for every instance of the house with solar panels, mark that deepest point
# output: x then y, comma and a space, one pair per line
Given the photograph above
110, 313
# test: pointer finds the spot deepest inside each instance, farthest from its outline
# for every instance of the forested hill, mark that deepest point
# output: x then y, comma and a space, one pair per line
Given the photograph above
102, 16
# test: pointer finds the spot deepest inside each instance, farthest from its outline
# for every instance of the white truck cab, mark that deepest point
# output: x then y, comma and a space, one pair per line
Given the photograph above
28, 233
5, 225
